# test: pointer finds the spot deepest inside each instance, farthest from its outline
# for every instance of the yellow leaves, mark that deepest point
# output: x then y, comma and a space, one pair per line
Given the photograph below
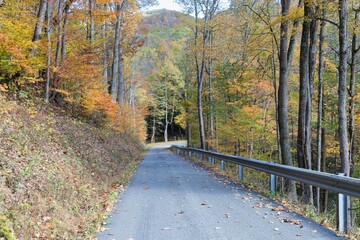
181, 119
6, 106
330, 66
252, 110
295, 13
4, 88
62, 91
332, 151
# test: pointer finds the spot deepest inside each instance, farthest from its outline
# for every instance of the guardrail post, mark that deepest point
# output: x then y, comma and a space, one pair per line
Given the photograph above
273, 183
223, 165
241, 172
342, 210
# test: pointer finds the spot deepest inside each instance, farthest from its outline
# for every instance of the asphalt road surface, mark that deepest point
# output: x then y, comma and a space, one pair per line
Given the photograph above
172, 198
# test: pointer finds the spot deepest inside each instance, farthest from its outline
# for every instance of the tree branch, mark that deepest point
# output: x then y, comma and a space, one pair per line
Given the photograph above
336, 51
266, 22
329, 21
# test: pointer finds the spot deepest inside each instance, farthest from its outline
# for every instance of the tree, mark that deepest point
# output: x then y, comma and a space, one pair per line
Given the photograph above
40, 21
307, 70
353, 70
320, 114
342, 90
283, 94
202, 34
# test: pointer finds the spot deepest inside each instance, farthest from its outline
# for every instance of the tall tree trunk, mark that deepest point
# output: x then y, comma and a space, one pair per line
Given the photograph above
283, 97
115, 65
91, 34
64, 36
342, 105
59, 43
121, 89
201, 112
187, 110
48, 64
292, 43
274, 70
153, 129
40, 20
200, 79
105, 54
312, 64
354, 55
352, 139
208, 9
303, 94
323, 163
306, 66
166, 112
211, 95
320, 115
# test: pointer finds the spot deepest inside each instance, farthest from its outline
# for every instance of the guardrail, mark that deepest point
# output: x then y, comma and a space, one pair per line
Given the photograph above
345, 186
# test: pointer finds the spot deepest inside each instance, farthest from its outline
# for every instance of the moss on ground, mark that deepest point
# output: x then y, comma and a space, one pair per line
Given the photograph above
5, 232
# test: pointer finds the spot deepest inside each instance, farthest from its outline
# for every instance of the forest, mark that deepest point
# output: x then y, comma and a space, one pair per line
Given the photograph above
265, 79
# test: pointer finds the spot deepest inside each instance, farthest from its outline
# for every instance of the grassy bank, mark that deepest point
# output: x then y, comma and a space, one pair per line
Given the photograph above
58, 174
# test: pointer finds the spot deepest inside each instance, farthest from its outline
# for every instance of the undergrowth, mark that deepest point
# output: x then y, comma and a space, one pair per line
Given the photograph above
57, 173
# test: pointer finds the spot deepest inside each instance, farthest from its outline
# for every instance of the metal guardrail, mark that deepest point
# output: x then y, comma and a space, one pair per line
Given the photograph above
340, 184
344, 186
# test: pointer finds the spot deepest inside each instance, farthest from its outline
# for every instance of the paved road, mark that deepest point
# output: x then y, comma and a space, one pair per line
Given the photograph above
171, 198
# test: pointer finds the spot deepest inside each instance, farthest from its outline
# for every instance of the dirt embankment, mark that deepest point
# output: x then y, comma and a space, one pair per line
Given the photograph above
58, 175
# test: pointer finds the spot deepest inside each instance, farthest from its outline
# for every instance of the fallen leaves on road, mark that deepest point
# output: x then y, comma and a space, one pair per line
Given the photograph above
293, 222
279, 208
262, 205
146, 187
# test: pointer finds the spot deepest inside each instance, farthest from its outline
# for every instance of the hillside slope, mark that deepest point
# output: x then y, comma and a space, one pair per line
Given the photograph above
58, 175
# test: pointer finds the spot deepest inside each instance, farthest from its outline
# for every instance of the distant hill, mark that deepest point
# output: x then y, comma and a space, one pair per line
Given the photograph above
163, 18
159, 29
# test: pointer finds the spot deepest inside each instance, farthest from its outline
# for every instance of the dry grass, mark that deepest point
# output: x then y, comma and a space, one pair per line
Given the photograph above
57, 173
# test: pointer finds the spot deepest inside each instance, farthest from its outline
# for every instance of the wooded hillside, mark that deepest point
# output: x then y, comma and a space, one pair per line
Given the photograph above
271, 80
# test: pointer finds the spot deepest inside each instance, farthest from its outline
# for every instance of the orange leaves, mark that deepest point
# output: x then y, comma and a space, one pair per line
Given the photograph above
82, 84
252, 110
